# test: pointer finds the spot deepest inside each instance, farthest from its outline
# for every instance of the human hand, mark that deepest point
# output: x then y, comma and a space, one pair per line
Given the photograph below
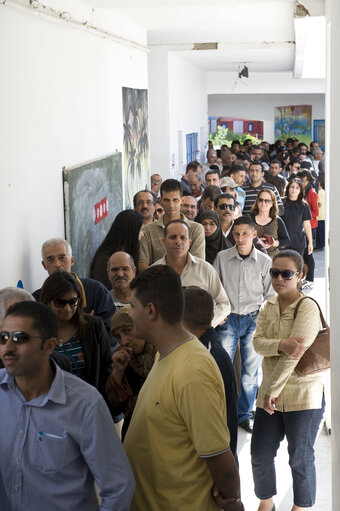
292, 347
227, 504
121, 358
269, 404
265, 243
310, 247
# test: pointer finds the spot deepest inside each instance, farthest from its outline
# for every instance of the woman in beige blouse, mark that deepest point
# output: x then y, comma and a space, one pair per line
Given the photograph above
287, 404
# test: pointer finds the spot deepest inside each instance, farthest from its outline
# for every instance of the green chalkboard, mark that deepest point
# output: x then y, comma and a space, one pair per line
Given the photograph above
92, 198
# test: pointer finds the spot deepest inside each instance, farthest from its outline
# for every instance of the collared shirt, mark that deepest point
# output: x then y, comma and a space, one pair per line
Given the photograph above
54, 446
252, 192
200, 273
151, 244
246, 281
293, 392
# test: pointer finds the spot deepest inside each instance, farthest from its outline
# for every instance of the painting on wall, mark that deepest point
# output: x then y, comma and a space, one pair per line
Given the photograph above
92, 198
293, 121
135, 142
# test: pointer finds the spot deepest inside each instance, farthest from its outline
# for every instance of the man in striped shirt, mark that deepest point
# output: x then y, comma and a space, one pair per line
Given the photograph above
257, 184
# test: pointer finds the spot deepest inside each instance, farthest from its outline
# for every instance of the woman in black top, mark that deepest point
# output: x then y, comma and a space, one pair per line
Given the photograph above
297, 217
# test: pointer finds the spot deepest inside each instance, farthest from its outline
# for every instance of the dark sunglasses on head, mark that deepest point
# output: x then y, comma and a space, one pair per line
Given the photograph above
285, 274
19, 337
60, 303
226, 206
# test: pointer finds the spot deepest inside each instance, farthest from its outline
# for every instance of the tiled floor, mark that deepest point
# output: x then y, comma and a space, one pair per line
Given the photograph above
283, 499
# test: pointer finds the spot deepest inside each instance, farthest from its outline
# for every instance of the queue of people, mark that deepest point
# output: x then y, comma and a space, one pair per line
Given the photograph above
202, 273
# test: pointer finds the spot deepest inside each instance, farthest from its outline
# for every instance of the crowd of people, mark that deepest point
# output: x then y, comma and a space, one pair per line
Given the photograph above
138, 378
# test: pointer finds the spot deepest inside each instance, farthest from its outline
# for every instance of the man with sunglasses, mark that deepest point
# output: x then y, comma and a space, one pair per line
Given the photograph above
244, 273
56, 432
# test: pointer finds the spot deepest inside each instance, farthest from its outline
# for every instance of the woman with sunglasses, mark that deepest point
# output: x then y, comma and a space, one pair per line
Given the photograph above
287, 404
82, 339
297, 217
270, 227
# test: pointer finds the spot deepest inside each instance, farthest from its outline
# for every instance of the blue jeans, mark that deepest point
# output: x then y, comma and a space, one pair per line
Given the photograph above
301, 429
241, 328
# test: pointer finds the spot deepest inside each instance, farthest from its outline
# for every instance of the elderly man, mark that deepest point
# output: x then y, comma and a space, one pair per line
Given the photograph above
57, 255
151, 244
156, 182
56, 433
192, 168
121, 270
189, 207
192, 270
195, 185
144, 202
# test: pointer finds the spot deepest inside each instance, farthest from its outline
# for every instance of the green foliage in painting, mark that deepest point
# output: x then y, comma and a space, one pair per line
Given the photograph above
226, 136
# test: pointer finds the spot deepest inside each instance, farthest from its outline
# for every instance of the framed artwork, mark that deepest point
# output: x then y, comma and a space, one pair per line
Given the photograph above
293, 121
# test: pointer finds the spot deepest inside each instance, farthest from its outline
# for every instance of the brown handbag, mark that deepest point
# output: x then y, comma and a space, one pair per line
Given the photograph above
317, 357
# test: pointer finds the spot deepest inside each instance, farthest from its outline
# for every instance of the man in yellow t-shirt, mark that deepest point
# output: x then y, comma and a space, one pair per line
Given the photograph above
178, 442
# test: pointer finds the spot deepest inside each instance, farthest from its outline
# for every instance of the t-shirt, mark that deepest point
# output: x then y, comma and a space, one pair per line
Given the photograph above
293, 218
179, 419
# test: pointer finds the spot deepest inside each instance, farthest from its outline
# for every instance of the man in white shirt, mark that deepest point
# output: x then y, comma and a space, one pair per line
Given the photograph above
193, 270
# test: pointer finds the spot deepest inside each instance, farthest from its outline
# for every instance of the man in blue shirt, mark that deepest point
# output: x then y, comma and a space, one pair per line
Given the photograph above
56, 432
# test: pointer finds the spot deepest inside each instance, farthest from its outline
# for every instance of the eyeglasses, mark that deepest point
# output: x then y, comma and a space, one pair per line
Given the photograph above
142, 202
18, 337
265, 201
60, 303
226, 206
285, 274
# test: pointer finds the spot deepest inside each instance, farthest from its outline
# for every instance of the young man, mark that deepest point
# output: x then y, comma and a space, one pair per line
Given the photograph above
151, 244
178, 442
244, 273
213, 177
193, 270
56, 432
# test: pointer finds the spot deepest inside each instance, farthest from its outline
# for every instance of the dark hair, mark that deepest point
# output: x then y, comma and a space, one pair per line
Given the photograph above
244, 220
135, 197
305, 173
256, 163
193, 165
293, 255
176, 221
278, 182
198, 307
234, 142
299, 200
122, 236
57, 285
171, 185
223, 196
213, 171
302, 144
236, 168
161, 286
211, 192
42, 318
275, 160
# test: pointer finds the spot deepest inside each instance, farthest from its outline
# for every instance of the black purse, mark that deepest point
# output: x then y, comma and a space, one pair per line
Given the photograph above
317, 357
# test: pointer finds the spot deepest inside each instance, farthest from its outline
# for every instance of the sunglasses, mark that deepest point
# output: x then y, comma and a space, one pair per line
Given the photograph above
226, 206
18, 337
60, 303
285, 274
265, 201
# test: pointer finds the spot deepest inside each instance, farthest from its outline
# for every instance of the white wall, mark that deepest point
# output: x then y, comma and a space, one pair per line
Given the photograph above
188, 108
61, 105
260, 107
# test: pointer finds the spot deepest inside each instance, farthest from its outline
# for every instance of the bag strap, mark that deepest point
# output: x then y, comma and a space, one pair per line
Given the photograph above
323, 321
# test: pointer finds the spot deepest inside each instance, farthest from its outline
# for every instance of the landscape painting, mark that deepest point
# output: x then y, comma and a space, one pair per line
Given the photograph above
293, 121
135, 142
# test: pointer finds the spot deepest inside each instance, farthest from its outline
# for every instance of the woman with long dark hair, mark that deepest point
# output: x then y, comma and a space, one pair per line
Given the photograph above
82, 339
288, 404
269, 226
297, 218
124, 235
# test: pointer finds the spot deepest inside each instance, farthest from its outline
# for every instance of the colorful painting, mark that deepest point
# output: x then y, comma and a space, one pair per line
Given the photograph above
293, 121
136, 142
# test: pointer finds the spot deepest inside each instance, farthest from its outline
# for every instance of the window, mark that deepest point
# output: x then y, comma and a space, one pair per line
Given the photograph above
192, 149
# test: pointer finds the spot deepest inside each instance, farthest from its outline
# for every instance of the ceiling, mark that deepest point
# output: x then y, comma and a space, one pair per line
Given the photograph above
267, 35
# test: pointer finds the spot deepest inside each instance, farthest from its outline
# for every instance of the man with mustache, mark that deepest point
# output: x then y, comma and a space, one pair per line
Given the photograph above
121, 270
144, 202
